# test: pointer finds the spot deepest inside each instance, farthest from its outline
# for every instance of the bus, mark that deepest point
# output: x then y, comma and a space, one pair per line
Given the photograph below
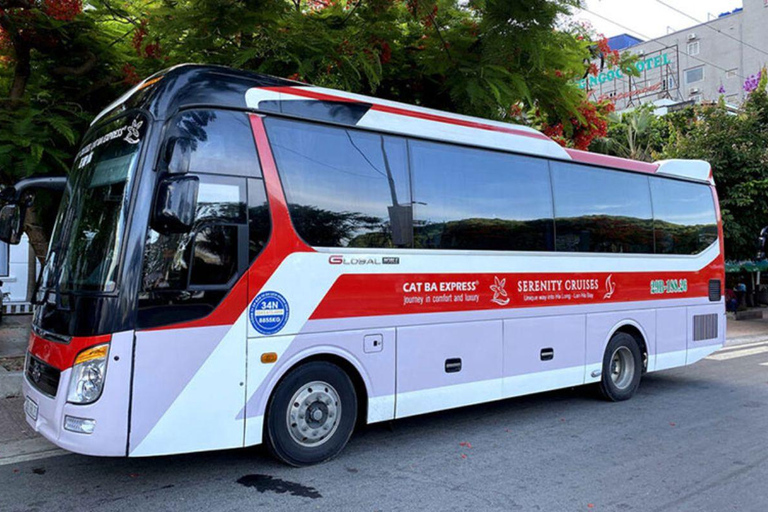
240, 259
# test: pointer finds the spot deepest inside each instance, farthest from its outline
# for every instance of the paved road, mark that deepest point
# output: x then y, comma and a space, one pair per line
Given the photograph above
693, 439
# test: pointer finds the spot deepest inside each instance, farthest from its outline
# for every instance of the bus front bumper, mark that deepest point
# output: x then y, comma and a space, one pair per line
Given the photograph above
86, 429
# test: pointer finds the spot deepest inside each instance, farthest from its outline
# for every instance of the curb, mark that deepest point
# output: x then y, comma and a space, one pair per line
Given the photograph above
10, 383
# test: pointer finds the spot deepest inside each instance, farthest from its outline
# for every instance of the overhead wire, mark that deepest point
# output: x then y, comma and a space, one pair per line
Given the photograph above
655, 40
707, 24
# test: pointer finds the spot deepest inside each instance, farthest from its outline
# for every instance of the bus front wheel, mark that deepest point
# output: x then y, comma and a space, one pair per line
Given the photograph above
311, 414
622, 368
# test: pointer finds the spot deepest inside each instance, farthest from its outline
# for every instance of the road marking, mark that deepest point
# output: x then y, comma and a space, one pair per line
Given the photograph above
18, 459
23, 450
733, 354
740, 346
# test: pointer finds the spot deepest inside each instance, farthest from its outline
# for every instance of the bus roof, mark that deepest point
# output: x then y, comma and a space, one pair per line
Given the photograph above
192, 85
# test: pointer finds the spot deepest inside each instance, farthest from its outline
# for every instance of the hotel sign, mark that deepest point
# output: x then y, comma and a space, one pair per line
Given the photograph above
657, 75
614, 74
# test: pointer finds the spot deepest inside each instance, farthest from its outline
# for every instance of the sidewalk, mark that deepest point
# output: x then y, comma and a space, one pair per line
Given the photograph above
14, 337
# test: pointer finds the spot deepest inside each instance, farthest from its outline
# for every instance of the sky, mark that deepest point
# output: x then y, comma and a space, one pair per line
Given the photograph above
649, 18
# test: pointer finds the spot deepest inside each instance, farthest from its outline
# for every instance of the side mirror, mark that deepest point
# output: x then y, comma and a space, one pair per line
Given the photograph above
175, 204
12, 223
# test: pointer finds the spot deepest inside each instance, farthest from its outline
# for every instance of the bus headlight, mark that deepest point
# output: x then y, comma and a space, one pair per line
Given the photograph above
88, 374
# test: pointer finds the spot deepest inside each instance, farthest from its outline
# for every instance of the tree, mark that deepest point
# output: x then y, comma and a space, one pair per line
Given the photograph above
484, 58
638, 134
736, 145
489, 58
60, 66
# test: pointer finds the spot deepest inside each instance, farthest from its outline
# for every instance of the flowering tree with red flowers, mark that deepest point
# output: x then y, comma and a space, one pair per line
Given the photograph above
58, 67
497, 59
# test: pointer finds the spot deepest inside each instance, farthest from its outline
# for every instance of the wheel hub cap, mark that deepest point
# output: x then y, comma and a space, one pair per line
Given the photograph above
622, 367
313, 413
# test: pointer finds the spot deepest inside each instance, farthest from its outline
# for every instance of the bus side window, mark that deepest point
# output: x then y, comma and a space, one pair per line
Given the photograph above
345, 188
221, 142
599, 210
185, 276
473, 199
259, 221
214, 255
684, 216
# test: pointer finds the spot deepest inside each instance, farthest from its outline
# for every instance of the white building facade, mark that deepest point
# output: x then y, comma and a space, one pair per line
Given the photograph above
15, 264
694, 65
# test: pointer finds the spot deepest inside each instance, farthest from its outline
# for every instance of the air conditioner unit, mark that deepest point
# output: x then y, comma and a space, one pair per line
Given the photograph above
691, 36
694, 90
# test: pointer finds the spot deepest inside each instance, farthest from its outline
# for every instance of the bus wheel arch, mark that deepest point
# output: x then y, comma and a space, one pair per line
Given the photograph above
274, 406
638, 333
352, 371
623, 364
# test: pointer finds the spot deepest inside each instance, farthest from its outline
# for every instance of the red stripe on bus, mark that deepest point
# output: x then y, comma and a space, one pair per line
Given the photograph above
309, 93
62, 355
358, 295
611, 161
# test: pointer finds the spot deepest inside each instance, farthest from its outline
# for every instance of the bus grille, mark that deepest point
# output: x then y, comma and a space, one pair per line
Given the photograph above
42, 376
704, 327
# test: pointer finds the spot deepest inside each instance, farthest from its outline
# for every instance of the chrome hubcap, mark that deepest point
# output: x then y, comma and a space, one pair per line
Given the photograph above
313, 413
622, 367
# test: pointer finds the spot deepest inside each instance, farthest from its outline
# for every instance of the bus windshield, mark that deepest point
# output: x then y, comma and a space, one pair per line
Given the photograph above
91, 222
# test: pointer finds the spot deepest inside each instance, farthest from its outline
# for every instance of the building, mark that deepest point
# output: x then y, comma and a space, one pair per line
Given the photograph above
698, 64
16, 261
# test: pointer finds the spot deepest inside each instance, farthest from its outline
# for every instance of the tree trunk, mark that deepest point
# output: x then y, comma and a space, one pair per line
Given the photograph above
22, 71
38, 237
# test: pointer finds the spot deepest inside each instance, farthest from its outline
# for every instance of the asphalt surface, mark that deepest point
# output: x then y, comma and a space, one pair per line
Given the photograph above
692, 439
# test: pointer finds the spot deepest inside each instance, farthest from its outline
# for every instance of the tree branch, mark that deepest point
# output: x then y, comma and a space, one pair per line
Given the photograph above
79, 70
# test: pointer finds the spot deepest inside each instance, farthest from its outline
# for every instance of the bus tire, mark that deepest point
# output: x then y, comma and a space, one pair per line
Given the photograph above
622, 368
311, 414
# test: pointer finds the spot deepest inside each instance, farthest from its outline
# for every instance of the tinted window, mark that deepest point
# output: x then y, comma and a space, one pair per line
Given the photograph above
259, 223
685, 221
601, 211
344, 188
220, 141
214, 255
480, 200
185, 276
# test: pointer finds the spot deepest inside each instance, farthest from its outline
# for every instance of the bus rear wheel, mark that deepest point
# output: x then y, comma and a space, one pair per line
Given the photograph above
622, 368
311, 414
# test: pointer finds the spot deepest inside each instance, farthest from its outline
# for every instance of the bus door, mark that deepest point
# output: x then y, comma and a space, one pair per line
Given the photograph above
190, 353
190, 347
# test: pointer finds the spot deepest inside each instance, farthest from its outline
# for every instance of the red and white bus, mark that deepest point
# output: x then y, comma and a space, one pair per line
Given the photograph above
242, 259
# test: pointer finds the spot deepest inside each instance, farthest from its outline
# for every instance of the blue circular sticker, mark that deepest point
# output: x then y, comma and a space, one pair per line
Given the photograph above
269, 312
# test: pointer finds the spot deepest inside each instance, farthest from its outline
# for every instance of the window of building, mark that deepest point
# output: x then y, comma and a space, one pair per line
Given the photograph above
685, 221
345, 188
598, 210
694, 75
476, 199
4, 256
693, 48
